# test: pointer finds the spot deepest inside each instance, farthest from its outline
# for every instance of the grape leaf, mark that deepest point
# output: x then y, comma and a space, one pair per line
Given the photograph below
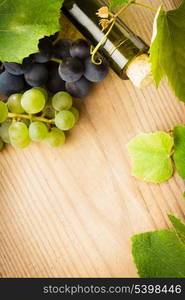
155, 58
179, 153
159, 254
167, 52
179, 228
116, 3
23, 23
150, 154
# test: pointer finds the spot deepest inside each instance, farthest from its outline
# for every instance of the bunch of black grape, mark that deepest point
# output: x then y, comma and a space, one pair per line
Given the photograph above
60, 65
33, 116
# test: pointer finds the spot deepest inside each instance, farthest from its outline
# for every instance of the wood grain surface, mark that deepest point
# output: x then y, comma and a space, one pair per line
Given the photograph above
70, 212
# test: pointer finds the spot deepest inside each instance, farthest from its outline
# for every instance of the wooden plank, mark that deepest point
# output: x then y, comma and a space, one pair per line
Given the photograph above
70, 212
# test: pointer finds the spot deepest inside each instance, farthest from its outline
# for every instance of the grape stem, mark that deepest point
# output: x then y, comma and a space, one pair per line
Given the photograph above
31, 118
57, 60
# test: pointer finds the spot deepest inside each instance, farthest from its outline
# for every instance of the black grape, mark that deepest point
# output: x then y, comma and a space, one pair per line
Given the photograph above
41, 58
27, 63
13, 68
46, 46
52, 65
54, 36
79, 89
45, 51
62, 48
93, 72
1, 67
55, 84
11, 84
71, 69
37, 75
80, 48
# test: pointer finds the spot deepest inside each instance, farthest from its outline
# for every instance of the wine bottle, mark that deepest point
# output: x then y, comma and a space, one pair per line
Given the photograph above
125, 51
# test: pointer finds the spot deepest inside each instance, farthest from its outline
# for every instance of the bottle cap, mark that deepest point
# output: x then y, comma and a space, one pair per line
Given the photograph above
139, 71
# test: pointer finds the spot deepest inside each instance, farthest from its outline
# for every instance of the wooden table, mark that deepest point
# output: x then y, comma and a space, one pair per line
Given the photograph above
70, 212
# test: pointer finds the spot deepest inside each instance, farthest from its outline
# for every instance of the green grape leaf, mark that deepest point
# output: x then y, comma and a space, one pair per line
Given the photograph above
167, 52
179, 151
116, 3
179, 227
159, 254
23, 23
150, 154
155, 54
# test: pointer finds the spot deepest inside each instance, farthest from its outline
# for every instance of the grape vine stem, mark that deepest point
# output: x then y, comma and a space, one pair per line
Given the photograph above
93, 53
123, 8
111, 23
145, 5
31, 118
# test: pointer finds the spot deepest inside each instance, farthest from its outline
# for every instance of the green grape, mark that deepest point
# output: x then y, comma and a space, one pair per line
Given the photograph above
1, 144
65, 120
76, 113
33, 101
18, 132
43, 91
38, 131
19, 135
14, 104
21, 145
62, 100
4, 132
3, 112
55, 138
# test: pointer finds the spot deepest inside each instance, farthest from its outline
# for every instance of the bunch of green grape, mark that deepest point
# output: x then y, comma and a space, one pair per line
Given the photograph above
33, 116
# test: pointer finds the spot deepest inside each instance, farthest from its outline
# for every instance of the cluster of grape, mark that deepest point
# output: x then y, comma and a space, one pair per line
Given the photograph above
33, 116
62, 68
60, 65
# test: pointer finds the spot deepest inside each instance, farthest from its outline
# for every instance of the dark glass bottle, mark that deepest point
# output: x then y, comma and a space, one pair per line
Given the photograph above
121, 46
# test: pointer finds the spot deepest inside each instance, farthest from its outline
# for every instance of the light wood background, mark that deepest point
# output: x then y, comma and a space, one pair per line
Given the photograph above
70, 212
